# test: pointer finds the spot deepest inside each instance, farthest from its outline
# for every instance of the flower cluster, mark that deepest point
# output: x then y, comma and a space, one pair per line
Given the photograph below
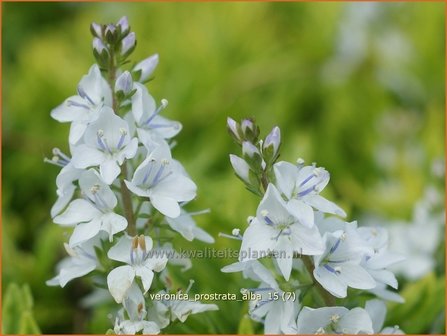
302, 252
120, 189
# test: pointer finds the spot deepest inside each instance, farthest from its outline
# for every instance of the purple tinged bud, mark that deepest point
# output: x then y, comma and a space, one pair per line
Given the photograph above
147, 67
123, 23
246, 125
241, 167
128, 44
124, 83
98, 45
250, 150
273, 139
110, 29
96, 29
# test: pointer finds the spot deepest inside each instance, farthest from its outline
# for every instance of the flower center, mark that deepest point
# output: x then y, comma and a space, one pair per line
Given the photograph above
138, 252
154, 175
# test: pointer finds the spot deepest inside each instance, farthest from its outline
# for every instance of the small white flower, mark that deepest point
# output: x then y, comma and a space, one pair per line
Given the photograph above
164, 311
163, 181
301, 185
254, 270
94, 213
334, 320
81, 261
278, 315
82, 109
150, 125
141, 262
187, 227
339, 266
107, 145
134, 306
276, 230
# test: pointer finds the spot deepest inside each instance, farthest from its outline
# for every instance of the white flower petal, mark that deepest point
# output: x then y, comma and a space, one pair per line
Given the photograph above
330, 282
119, 281
284, 259
146, 276
84, 232
286, 175
356, 321
166, 205
113, 223
109, 170
85, 156
77, 211
303, 212
356, 276
322, 204
377, 311
77, 130
257, 241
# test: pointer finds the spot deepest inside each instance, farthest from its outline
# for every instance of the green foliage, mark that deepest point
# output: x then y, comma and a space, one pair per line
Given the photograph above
18, 317
423, 298
375, 122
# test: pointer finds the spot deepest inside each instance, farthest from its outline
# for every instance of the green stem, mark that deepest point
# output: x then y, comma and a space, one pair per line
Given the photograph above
125, 193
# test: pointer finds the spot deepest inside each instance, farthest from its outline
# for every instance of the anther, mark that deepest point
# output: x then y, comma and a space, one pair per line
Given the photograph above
334, 318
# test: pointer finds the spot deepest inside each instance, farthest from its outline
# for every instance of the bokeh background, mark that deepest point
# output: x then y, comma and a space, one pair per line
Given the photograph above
356, 87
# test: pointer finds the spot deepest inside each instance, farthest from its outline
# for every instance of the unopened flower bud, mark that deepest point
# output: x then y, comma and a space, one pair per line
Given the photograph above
128, 45
249, 129
110, 33
252, 155
234, 129
124, 83
123, 26
271, 145
145, 68
100, 52
96, 30
241, 168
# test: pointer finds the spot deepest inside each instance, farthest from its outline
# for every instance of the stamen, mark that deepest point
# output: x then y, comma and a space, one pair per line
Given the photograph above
123, 133
307, 191
311, 176
158, 176
58, 152
163, 105
102, 141
250, 219
84, 95
264, 214
73, 103
151, 165
236, 232
334, 318
334, 248
229, 236
329, 268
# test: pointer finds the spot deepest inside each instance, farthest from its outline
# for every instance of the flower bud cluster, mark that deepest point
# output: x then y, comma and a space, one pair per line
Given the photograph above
302, 252
258, 156
120, 192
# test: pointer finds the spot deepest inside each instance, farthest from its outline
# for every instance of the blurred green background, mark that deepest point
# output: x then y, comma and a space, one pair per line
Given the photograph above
356, 87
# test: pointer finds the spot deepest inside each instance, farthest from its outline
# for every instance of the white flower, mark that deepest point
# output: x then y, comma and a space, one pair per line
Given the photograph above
301, 185
81, 261
163, 181
150, 125
276, 230
254, 270
380, 258
377, 311
107, 145
141, 262
163, 311
136, 311
339, 266
187, 227
334, 320
94, 213
278, 315
64, 181
82, 109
